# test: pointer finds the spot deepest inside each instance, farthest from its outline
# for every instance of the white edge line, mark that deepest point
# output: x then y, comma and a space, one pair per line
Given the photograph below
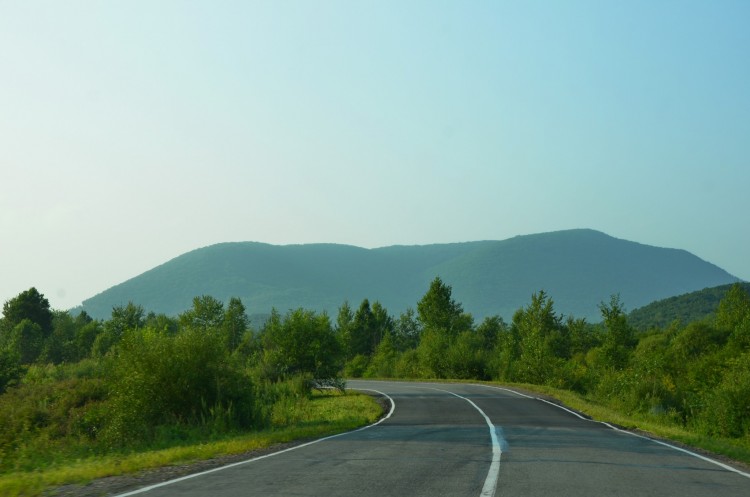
565, 409
503, 389
490, 483
694, 454
680, 449
239, 463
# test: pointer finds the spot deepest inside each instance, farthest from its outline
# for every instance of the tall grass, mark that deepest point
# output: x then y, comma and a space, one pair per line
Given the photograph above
320, 414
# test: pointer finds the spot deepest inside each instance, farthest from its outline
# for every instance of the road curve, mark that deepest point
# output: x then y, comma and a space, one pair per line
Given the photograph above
468, 440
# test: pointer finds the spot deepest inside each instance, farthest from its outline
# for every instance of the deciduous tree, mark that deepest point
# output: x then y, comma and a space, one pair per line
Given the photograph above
235, 323
539, 333
30, 305
734, 315
619, 339
207, 314
302, 342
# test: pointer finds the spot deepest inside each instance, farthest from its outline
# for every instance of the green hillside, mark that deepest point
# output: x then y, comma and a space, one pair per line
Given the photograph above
577, 268
686, 308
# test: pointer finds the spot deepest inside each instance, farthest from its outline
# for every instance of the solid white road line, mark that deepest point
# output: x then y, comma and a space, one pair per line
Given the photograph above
680, 449
195, 475
490, 483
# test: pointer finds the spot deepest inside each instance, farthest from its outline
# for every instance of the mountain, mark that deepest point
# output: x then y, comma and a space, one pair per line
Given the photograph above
577, 268
686, 308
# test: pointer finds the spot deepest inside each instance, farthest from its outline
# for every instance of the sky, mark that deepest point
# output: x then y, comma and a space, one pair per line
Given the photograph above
134, 131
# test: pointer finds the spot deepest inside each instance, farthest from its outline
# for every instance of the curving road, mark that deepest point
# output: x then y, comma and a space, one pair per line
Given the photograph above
469, 440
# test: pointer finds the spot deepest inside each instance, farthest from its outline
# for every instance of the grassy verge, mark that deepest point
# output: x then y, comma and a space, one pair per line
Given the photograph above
325, 414
735, 449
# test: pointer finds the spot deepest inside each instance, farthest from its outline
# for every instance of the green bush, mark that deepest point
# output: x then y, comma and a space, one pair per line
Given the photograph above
407, 365
10, 368
302, 342
726, 409
356, 366
188, 378
44, 420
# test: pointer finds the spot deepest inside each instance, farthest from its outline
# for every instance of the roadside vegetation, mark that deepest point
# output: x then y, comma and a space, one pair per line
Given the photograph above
83, 398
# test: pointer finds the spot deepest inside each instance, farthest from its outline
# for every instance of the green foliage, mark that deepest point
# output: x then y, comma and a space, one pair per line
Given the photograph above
383, 362
542, 341
162, 322
29, 305
158, 381
235, 323
124, 318
490, 331
48, 415
356, 366
619, 338
734, 315
382, 323
104, 342
582, 336
27, 340
86, 335
343, 328
727, 407
302, 342
698, 339
467, 357
10, 368
363, 333
407, 365
60, 345
162, 379
685, 308
432, 354
406, 331
26, 326
438, 311
325, 413
207, 314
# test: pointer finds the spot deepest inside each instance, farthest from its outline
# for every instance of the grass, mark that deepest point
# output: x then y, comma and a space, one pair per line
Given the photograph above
327, 413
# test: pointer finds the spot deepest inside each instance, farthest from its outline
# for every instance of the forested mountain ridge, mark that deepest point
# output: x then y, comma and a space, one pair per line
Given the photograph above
577, 268
687, 308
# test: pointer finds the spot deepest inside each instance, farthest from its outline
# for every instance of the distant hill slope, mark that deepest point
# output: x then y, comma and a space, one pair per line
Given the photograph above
686, 308
577, 268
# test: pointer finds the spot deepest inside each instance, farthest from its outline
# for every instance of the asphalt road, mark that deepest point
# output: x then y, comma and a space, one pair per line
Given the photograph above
469, 440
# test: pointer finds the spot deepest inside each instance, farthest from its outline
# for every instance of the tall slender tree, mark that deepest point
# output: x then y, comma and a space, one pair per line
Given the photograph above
235, 323
619, 340
438, 311
538, 329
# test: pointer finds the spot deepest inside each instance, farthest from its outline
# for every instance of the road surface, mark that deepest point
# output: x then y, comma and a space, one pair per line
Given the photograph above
469, 440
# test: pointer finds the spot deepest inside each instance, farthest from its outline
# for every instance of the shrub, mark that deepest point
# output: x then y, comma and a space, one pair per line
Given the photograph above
187, 378
10, 368
726, 409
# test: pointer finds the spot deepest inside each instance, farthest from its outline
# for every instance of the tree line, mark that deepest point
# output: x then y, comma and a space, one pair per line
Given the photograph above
128, 377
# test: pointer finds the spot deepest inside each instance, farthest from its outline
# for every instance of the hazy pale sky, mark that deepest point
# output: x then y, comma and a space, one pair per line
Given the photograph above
134, 131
